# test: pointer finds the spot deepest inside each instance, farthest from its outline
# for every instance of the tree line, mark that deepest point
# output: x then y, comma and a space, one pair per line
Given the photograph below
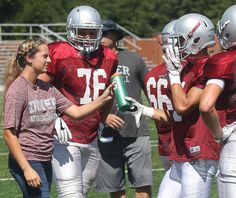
143, 18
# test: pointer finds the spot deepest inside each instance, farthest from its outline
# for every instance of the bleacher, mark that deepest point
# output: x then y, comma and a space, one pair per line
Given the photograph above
8, 49
11, 35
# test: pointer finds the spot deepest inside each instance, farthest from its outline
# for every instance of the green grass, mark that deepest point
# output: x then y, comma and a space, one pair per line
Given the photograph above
9, 188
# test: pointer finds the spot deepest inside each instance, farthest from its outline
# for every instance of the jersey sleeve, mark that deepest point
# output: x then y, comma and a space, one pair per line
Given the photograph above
220, 66
13, 107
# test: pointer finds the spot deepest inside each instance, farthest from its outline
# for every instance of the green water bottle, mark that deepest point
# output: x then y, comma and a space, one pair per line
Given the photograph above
120, 91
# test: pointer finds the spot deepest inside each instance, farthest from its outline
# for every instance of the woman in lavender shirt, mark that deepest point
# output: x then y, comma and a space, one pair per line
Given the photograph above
30, 111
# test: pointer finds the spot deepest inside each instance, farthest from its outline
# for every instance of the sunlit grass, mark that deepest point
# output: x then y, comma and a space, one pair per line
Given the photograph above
9, 188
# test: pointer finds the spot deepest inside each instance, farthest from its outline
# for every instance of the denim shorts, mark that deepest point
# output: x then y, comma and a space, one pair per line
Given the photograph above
44, 170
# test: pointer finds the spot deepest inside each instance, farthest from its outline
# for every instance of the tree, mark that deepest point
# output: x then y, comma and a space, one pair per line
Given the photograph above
141, 17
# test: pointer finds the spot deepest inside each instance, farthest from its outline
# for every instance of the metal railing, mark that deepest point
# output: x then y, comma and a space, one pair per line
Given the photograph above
49, 32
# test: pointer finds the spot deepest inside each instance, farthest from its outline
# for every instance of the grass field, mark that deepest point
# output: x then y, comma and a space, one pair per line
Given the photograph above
9, 188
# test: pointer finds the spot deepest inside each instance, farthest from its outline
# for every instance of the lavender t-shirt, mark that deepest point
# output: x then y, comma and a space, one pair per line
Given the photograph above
31, 111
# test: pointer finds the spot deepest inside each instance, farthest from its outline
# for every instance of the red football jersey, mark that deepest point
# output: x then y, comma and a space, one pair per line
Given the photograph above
81, 79
223, 66
191, 139
156, 84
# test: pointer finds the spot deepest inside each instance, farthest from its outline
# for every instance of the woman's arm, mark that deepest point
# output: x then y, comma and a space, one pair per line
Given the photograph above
80, 112
14, 147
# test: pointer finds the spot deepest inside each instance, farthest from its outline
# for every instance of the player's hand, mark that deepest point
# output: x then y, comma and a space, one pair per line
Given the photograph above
114, 121
32, 178
227, 131
137, 110
62, 131
173, 64
174, 57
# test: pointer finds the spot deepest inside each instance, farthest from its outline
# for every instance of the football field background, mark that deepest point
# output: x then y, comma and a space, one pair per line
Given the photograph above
9, 188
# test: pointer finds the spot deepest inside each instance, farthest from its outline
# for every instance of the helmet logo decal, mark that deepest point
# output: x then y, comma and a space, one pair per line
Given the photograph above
190, 34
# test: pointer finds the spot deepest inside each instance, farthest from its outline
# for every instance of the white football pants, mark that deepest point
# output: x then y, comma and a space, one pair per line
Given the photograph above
166, 163
75, 168
188, 180
226, 179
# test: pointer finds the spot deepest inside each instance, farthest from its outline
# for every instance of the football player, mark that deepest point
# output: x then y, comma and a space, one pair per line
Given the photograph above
80, 69
193, 151
130, 146
220, 93
155, 83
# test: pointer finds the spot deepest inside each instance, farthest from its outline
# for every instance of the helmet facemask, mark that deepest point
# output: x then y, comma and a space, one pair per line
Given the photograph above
166, 40
227, 28
83, 44
223, 35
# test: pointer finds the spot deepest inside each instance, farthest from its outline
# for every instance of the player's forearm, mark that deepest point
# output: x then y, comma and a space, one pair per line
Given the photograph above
211, 119
186, 103
179, 99
207, 108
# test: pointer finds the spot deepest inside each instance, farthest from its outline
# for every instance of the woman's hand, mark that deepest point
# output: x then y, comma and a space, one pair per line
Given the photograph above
108, 94
32, 177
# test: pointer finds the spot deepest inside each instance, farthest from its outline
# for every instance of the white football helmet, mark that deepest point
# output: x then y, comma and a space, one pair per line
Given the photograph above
192, 33
84, 18
167, 30
226, 30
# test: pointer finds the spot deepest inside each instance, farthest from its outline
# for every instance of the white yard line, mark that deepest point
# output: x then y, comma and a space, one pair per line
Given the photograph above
3, 154
152, 145
7, 179
11, 178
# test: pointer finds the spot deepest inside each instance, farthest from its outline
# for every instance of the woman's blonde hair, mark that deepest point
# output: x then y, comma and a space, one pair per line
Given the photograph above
17, 63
